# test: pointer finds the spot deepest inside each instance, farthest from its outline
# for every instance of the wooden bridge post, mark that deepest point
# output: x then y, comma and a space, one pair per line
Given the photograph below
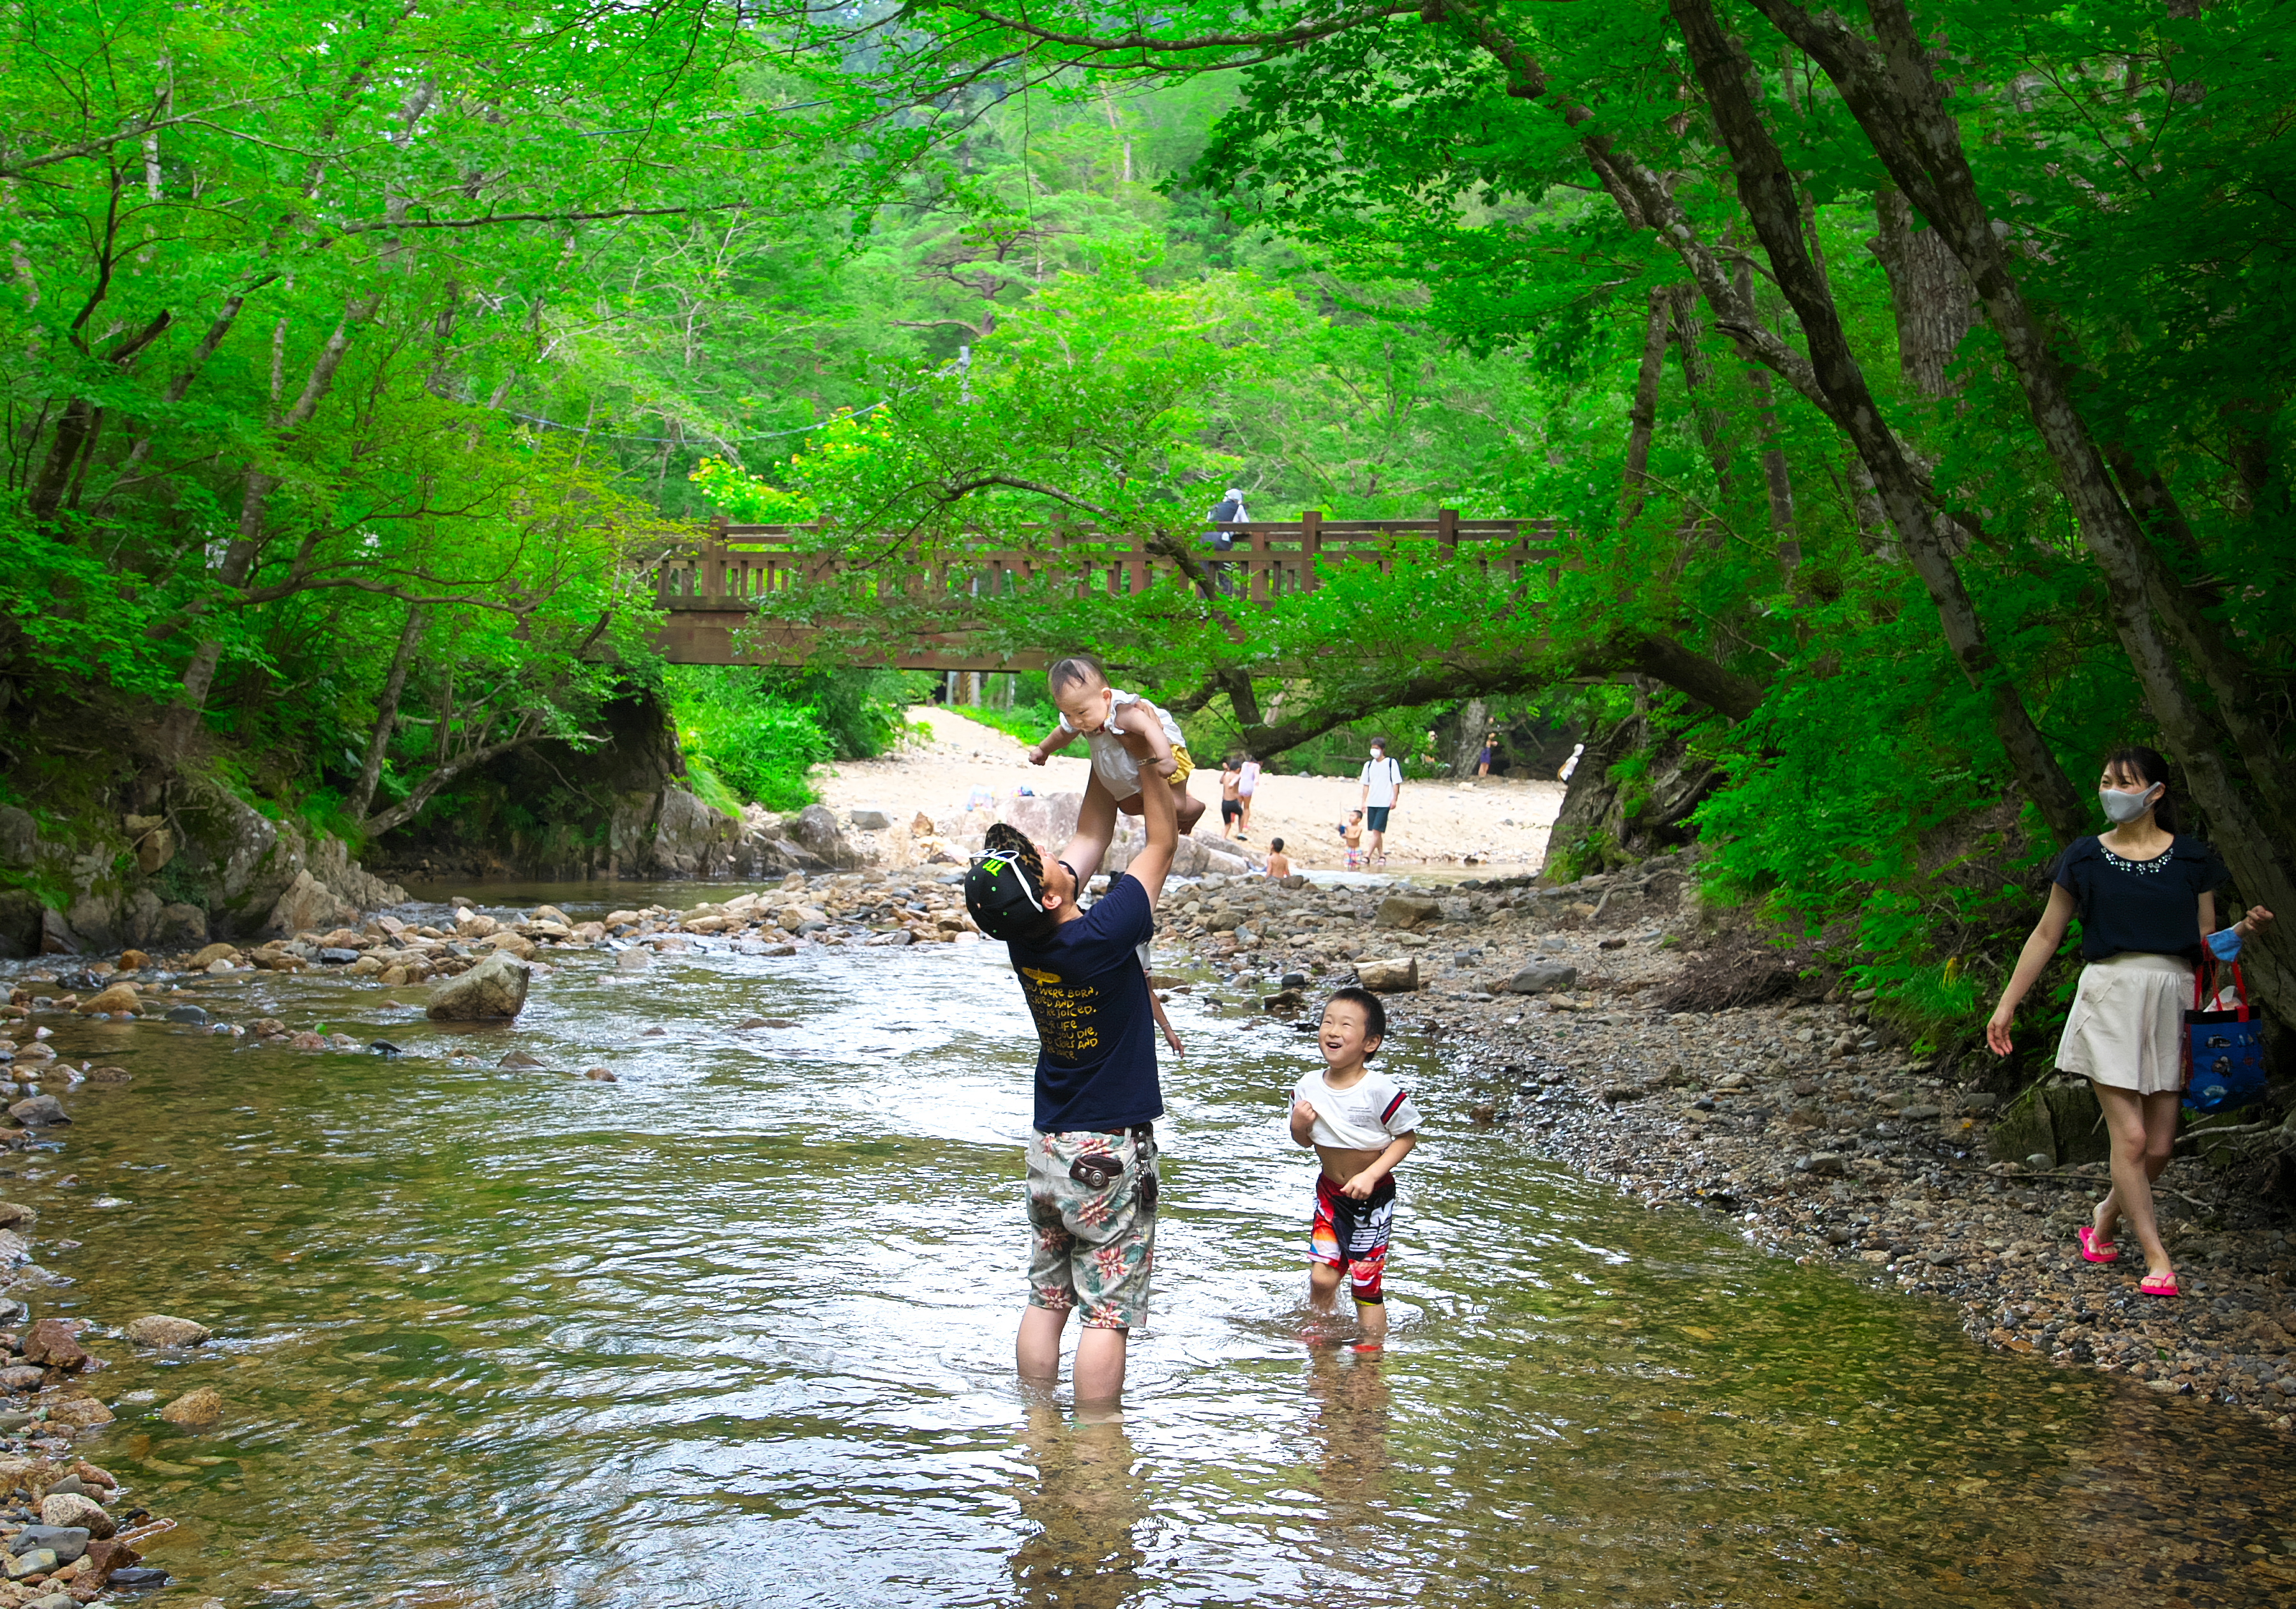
1311, 543
1446, 532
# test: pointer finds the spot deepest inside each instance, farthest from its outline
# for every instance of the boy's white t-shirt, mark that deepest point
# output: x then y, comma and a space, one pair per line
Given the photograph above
1363, 1117
1383, 777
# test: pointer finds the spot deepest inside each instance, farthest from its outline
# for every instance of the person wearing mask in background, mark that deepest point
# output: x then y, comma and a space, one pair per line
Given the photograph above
1383, 785
2146, 894
1247, 784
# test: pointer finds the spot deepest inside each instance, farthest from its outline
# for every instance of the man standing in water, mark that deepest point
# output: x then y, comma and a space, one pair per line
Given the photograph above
1092, 1151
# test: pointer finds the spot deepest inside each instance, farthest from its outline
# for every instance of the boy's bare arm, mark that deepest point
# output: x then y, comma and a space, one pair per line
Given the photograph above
1363, 1184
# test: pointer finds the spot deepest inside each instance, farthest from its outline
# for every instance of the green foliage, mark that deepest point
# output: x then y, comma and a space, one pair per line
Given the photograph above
744, 740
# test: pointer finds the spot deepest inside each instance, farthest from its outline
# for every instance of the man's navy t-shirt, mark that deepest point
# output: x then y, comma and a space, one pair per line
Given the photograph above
1097, 1067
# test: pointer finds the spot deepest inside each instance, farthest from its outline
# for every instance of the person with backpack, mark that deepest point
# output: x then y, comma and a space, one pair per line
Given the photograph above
1383, 785
2145, 895
1228, 510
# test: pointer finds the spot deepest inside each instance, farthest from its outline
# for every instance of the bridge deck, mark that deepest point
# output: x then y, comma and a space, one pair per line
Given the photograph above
710, 592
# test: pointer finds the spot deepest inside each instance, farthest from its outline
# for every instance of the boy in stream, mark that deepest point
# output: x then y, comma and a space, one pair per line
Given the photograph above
1134, 744
1092, 1148
1362, 1123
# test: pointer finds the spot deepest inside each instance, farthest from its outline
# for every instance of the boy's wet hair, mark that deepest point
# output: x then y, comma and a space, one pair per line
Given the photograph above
1077, 670
1374, 1013
1275, 845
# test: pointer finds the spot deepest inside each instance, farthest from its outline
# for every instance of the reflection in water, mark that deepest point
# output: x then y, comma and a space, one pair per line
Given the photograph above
738, 1330
1085, 1501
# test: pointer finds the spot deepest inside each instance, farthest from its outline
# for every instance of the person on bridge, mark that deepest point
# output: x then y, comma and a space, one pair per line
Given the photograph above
1092, 1148
1228, 510
1131, 739
2145, 895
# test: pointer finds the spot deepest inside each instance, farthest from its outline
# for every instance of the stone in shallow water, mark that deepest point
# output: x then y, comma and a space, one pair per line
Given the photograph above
187, 1013
1543, 977
158, 1329
199, 1407
494, 990
65, 1509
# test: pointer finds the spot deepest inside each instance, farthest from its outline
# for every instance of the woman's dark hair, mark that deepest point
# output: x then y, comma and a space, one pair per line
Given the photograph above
1374, 1013
2135, 759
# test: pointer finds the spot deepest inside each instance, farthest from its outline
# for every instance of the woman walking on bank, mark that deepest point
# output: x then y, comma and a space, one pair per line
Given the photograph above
2145, 895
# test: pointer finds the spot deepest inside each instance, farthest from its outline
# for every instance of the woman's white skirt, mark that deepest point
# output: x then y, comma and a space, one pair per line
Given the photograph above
2126, 1026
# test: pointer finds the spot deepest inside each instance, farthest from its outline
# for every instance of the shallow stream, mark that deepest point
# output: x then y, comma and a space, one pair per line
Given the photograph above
737, 1330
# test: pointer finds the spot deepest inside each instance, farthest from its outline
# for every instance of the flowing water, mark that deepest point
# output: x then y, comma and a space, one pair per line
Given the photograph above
737, 1330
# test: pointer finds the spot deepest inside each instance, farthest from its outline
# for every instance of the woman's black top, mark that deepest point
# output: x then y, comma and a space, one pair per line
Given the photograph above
2150, 905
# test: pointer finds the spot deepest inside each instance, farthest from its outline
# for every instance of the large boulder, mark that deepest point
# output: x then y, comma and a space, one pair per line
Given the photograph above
1408, 911
157, 1329
492, 992
1544, 977
816, 829
1388, 977
56, 935
309, 906
20, 924
20, 837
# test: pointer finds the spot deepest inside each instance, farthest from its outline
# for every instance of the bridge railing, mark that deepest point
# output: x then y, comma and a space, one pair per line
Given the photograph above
732, 567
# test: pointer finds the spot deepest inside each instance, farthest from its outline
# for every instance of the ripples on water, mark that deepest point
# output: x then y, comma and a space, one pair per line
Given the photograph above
737, 1330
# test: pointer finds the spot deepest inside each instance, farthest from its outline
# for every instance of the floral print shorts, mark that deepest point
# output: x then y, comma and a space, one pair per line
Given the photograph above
1092, 1224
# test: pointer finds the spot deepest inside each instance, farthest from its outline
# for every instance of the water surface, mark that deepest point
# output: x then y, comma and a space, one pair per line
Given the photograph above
737, 1328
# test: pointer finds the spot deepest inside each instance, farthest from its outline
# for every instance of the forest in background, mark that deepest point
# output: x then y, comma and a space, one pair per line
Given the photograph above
1913, 392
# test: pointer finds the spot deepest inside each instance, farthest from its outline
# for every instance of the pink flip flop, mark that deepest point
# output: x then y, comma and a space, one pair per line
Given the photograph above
2087, 1236
2159, 1285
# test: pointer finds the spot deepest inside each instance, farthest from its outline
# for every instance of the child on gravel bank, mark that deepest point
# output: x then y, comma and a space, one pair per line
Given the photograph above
1362, 1123
1129, 738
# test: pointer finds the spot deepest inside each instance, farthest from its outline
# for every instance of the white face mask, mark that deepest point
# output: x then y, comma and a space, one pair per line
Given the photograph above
2123, 806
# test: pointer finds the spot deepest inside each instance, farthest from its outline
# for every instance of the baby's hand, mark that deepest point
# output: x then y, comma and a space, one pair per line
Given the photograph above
1036, 755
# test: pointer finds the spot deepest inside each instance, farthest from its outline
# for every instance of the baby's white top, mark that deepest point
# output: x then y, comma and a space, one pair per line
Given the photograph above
1364, 1116
1111, 762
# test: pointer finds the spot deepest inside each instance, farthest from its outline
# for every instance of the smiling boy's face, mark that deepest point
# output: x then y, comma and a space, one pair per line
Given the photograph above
1083, 705
1345, 1039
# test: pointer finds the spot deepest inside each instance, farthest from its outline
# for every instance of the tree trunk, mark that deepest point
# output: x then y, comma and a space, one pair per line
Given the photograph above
1698, 380
1642, 422
1769, 200
1895, 95
1929, 291
255, 498
386, 716
1777, 478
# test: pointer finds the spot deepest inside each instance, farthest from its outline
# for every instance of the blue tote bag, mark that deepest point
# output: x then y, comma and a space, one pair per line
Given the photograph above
2224, 1050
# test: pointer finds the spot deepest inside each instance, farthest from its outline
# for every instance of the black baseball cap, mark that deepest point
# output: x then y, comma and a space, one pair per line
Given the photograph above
1005, 887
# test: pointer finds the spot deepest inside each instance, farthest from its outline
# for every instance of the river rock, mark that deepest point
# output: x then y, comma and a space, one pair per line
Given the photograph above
195, 1408
12, 1214
515, 944
157, 1329
134, 961
101, 1559
1406, 911
869, 821
634, 959
35, 1560
67, 1542
39, 1111
817, 831
50, 1342
493, 990
118, 997
81, 1413
599, 1075
20, 837
196, 1014
894, 938
309, 906
551, 913
1388, 977
1544, 977
21, 1378
518, 1061
201, 959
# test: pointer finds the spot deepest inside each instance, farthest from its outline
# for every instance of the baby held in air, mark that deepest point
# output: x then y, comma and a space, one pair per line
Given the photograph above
1132, 743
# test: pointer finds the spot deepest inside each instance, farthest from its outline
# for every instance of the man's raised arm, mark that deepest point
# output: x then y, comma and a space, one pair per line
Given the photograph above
1160, 815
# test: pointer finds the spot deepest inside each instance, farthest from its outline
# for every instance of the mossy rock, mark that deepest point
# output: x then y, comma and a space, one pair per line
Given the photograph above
2064, 1125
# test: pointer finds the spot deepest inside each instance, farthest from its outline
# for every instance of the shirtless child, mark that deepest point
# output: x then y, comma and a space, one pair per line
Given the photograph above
1362, 1123
1131, 739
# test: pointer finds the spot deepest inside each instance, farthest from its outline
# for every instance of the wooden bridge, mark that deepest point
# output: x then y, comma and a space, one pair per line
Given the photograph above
710, 591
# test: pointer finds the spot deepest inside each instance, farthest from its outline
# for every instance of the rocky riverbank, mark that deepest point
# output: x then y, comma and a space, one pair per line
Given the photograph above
1705, 1074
